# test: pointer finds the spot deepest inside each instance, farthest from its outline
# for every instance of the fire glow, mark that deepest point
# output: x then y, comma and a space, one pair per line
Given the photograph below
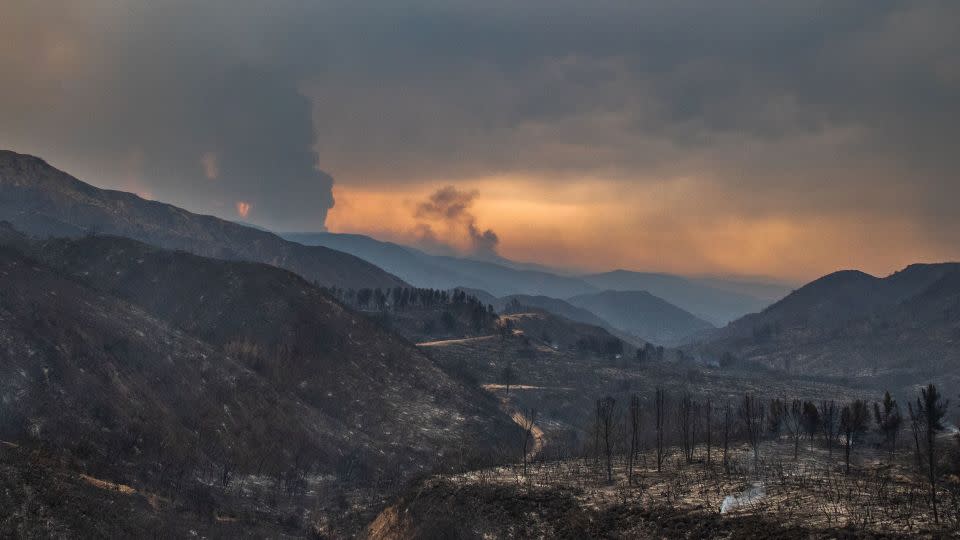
243, 208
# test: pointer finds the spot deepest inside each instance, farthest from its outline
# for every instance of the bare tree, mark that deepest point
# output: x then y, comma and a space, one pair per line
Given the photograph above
527, 423
810, 420
828, 419
634, 434
659, 411
853, 422
793, 422
751, 416
506, 377
930, 410
726, 435
709, 430
775, 417
887, 416
685, 420
605, 418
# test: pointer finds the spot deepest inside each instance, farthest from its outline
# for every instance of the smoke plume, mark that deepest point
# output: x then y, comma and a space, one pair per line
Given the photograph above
449, 207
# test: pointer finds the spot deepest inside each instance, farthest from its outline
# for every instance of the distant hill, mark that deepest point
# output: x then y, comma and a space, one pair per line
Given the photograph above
43, 201
443, 272
564, 309
553, 305
562, 333
643, 315
853, 324
715, 300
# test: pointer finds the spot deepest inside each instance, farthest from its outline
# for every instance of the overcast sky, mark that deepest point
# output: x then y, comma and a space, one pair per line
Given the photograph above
737, 137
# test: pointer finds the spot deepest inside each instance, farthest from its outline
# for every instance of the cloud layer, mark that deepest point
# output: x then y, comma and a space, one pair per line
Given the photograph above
695, 127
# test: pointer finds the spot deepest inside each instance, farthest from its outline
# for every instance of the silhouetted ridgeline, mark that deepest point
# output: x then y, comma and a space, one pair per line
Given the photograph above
43, 201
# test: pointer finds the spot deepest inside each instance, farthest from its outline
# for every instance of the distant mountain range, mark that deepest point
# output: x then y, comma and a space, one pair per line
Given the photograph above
43, 201
718, 301
712, 299
905, 326
443, 272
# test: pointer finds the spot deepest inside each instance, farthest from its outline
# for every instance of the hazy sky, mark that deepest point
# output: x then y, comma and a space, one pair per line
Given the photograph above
736, 137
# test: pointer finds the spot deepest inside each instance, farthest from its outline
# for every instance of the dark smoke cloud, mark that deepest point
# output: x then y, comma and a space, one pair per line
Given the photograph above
172, 100
451, 207
792, 110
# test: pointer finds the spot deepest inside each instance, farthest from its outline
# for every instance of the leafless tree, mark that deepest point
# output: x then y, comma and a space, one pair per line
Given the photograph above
685, 420
751, 416
775, 417
506, 377
853, 422
930, 410
605, 420
709, 431
634, 434
887, 416
811, 420
659, 410
828, 419
726, 436
793, 422
527, 423
915, 429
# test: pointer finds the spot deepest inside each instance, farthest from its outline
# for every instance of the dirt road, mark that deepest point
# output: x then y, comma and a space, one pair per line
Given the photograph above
442, 342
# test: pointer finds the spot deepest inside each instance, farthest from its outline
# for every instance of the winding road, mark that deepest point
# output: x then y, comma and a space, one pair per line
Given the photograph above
539, 439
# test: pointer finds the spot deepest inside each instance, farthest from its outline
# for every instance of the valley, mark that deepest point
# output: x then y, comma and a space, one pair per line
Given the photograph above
282, 390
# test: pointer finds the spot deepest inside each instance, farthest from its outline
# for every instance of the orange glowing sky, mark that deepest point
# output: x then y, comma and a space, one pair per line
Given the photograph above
598, 225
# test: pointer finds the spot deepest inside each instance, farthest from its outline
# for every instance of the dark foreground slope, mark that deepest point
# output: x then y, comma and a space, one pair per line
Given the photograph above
173, 374
43, 201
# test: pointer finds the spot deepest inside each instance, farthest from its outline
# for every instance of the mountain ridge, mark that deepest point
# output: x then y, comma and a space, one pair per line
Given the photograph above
850, 323
421, 269
643, 315
41, 200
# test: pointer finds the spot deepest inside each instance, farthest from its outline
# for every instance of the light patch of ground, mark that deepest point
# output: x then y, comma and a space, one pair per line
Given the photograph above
389, 525
538, 437
491, 387
444, 342
106, 484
